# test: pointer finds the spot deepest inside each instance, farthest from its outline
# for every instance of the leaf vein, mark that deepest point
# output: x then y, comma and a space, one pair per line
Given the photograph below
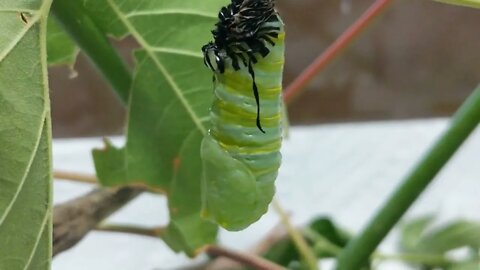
177, 51
170, 12
37, 241
18, 37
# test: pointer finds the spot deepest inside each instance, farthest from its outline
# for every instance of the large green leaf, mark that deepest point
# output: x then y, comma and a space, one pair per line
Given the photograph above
168, 109
25, 137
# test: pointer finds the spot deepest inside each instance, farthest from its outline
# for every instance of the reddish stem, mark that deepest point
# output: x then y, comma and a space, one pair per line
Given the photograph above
298, 85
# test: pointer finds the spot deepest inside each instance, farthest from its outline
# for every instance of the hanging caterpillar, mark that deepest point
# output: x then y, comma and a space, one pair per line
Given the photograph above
241, 152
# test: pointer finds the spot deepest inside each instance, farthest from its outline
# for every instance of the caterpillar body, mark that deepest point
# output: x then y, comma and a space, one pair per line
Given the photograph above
241, 152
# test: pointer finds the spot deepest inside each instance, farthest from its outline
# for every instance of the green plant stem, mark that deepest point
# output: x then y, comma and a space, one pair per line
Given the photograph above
302, 246
321, 243
463, 123
94, 43
466, 3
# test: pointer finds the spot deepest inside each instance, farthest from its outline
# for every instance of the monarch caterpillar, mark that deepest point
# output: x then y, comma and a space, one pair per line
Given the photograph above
241, 152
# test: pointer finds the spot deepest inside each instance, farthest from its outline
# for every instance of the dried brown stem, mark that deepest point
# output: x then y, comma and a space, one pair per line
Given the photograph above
151, 232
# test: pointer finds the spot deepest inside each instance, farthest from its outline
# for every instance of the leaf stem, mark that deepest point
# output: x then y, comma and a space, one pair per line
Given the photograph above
321, 243
91, 179
80, 26
347, 37
299, 241
463, 123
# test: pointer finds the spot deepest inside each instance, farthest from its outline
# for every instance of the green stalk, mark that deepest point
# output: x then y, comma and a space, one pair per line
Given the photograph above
463, 123
93, 41
466, 3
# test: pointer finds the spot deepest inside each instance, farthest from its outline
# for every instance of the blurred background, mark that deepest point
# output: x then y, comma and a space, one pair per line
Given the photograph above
419, 60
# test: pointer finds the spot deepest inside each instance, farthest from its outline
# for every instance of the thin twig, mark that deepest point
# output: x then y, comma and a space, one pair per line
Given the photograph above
121, 228
347, 37
73, 176
91, 179
250, 260
302, 246
276, 234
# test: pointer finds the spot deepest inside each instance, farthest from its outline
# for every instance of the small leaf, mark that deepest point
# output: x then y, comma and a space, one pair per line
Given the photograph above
325, 227
285, 253
61, 49
412, 231
420, 239
109, 165
452, 236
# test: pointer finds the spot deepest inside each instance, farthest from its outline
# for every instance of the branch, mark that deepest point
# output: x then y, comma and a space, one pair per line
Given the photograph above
250, 260
151, 232
74, 219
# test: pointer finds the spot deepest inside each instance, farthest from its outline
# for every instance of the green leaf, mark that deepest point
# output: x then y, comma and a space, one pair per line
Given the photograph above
61, 49
323, 229
452, 236
168, 109
108, 162
412, 231
25, 137
473, 264
419, 238
466, 3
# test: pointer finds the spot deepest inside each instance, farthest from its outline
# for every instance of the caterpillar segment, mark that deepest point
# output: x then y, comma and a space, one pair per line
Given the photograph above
241, 152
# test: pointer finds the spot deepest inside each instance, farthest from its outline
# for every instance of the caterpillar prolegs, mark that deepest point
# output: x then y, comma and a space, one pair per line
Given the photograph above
241, 152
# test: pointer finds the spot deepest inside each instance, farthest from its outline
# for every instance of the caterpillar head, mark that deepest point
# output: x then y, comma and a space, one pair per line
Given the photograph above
213, 57
245, 29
